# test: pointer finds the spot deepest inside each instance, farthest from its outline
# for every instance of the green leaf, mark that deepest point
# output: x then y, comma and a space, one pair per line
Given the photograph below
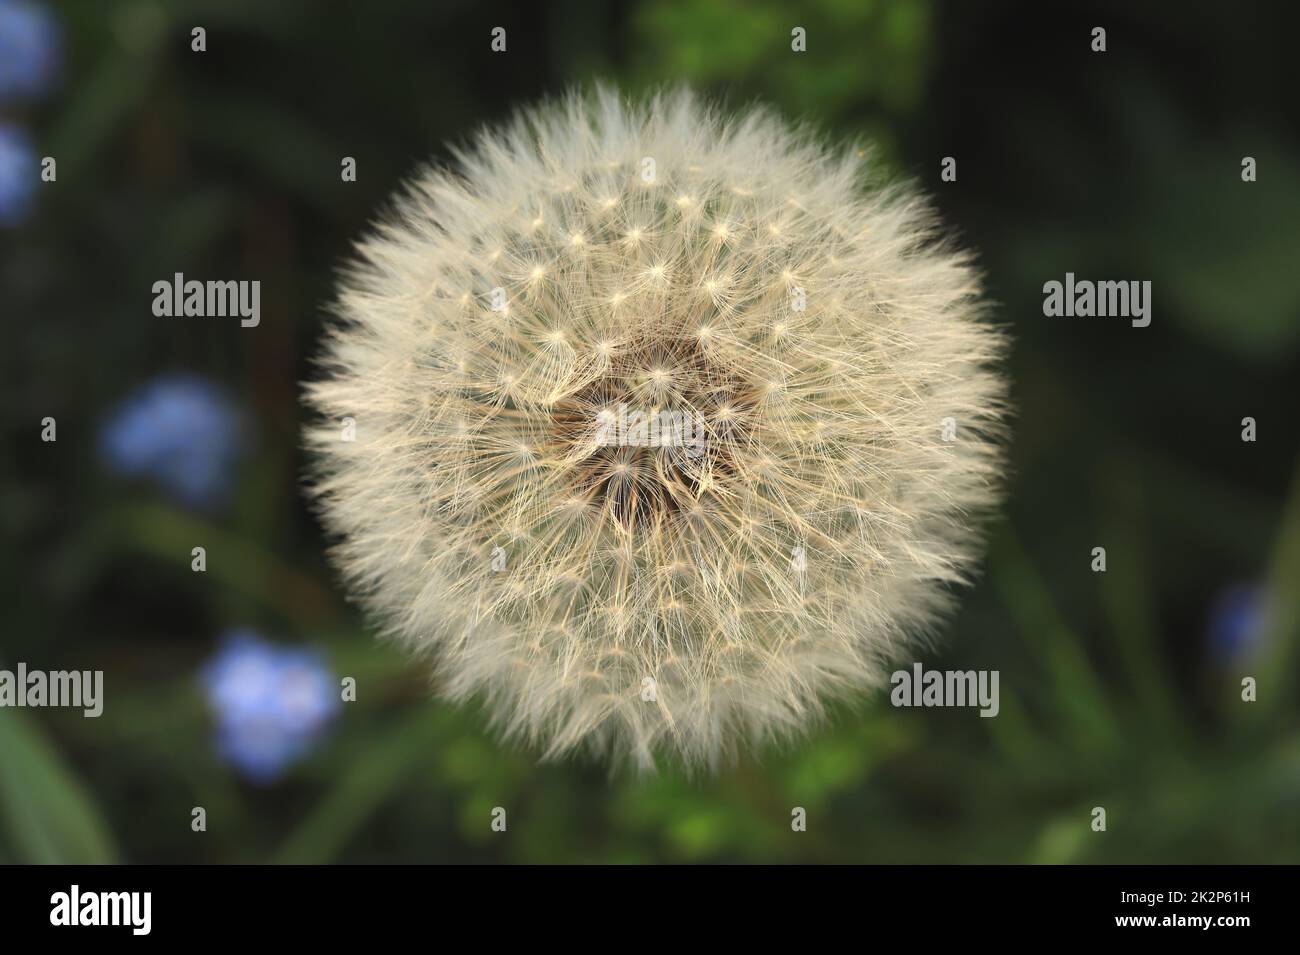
362, 789
49, 816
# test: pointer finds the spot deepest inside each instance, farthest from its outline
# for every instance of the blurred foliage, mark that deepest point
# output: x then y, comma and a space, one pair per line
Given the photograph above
1122, 166
871, 56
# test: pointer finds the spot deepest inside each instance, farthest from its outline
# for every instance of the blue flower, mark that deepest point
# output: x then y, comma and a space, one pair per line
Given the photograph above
1238, 619
18, 174
271, 704
182, 432
29, 49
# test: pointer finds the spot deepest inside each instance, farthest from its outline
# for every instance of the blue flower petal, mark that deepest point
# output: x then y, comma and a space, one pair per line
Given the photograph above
29, 49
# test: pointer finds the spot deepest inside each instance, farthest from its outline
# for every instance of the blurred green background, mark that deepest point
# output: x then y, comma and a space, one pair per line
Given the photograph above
1119, 689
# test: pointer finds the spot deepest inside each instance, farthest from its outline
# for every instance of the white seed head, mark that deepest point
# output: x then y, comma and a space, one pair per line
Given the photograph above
789, 559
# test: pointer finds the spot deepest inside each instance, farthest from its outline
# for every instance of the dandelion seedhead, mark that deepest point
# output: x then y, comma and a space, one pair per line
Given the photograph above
657, 429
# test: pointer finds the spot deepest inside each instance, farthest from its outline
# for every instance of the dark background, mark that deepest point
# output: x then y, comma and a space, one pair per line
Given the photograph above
1119, 690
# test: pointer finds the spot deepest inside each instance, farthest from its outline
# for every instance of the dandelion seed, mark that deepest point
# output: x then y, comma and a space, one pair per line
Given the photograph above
816, 433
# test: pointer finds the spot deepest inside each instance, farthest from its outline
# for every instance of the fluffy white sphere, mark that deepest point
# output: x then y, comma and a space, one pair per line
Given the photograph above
670, 426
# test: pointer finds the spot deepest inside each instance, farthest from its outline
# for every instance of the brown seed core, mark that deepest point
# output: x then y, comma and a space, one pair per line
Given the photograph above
641, 485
